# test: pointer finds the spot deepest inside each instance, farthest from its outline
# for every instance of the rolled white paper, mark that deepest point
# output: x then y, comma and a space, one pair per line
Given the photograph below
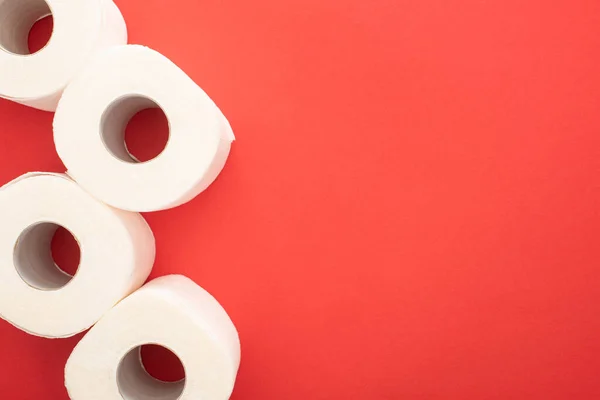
81, 28
116, 255
172, 312
90, 121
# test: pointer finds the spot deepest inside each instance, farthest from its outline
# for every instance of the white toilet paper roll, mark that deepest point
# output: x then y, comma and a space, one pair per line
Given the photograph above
90, 121
116, 255
172, 312
81, 28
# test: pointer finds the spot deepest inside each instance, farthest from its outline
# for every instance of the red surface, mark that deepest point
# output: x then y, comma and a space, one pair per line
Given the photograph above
410, 210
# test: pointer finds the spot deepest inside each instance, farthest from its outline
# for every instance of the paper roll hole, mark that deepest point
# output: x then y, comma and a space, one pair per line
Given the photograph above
34, 261
154, 132
65, 251
17, 17
135, 383
161, 363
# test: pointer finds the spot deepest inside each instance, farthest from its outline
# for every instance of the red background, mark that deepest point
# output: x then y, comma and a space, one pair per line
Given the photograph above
410, 210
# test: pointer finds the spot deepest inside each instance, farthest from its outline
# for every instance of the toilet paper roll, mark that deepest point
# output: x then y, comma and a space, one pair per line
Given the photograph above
90, 121
116, 255
172, 312
80, 29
